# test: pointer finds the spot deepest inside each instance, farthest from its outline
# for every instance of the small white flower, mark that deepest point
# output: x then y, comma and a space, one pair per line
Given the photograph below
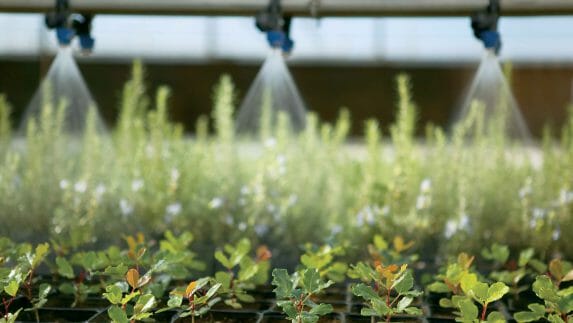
556, 234
126, 207
464, 222
451, 229
64, 184
80, 186
426, 185
245, 190
175, 174
271, 208
538, 213
281, 160
270, 143
422, 202
242, 226
100, 190
173, 208
385, 210
365, 216
216, 203
292, 199
136, 185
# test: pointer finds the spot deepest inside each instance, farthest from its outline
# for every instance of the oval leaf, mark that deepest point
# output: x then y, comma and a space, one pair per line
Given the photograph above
132, 278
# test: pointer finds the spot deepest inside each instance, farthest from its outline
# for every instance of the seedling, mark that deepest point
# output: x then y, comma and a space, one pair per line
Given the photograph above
129, 301
558, 303
21, 278
295, 292
480, 292
387, 291
512, 272
381, 251
450, 281
175, 250
199, 296
322, 259
242, 273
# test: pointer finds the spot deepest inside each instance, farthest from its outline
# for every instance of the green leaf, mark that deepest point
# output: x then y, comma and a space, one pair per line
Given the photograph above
224, 278
468, 309
213, 290
414, 311
321, 309
67, 288
404, 283
12, 288
496, 292
113, 294
380, 243
403, 303
529, 316
311, 280
119, 270
367, 311
554, 318
220, 256
283, 283
117, 315
248, 271
175, 301
364, 291
495, 317
544, 289
39, 254
288, 308
497, 252
568, 276
129, 297
446, 303
538, 266
438, 287
144, 304
64, 268
308, 318
381, 307
525, 256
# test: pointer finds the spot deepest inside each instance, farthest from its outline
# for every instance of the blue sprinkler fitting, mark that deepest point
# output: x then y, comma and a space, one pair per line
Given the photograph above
491, 40
86, 43
279, 39
65, 36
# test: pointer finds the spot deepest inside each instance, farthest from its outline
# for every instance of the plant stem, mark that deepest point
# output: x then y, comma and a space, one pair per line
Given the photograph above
483, 312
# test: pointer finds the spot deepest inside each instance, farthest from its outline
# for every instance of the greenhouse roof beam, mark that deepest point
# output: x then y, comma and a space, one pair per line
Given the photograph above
321, 8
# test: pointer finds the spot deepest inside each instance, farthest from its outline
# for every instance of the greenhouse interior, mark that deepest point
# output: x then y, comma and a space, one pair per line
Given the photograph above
286, 161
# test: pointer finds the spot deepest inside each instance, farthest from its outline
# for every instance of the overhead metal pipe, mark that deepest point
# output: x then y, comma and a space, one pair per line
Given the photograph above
320, 8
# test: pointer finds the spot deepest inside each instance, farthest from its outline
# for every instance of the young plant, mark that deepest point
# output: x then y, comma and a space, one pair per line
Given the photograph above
200, 295
387, 291
558, 303
21, 277
510, 271
129, 302
450, 280
82, 285
294, 294
242, 273
480, 292
381, 251
322, 259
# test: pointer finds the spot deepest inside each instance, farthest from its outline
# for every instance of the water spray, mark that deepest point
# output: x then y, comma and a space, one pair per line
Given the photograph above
69, 25
484, 25
277, 26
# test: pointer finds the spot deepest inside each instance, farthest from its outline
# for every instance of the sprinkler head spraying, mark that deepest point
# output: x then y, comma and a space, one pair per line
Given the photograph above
271, 21
69, 25
484, 25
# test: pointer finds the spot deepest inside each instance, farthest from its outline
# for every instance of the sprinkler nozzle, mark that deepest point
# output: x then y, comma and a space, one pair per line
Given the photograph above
484, 25
271, 21
69, 25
